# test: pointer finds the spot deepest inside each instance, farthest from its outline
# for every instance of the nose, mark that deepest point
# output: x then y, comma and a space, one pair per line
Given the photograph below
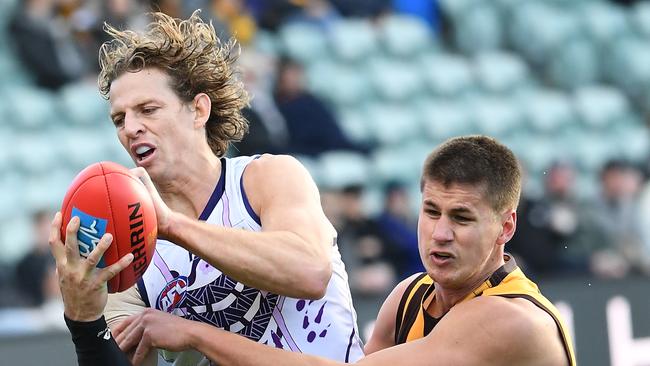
132, 126
442, 230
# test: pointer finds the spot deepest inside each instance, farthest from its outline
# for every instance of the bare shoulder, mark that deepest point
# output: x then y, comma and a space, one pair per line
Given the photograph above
509, 329
278, 178
275, 165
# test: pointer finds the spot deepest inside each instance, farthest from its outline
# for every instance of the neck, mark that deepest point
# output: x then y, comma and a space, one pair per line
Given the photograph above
189, 190
445, 298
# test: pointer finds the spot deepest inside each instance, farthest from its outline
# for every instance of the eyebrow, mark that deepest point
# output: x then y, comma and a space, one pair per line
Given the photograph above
455, 210
144, 102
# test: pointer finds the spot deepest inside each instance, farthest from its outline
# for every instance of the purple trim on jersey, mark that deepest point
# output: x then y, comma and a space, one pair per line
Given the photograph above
247, 204
347, 353
162, 267
225, 216
279, 320
216, 194
142, 289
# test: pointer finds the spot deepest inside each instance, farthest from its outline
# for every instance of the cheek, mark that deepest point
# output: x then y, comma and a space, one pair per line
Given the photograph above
122, 138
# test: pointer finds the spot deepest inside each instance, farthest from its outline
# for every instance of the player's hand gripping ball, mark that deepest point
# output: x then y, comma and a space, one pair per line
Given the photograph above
109, 199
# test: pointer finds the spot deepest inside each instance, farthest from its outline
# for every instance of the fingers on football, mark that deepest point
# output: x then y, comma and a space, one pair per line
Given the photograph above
71, 245
96, 255
111, 271
56, 246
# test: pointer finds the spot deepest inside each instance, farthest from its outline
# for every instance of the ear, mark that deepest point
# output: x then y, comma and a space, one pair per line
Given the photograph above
202, 109
508, 226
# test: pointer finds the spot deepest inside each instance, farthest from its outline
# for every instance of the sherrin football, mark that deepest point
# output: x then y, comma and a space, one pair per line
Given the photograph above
107, 198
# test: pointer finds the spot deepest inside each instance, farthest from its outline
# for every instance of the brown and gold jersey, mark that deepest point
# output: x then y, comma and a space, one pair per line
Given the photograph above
413, 322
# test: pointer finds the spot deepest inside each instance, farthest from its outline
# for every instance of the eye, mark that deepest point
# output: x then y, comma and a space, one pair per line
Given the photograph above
149, 110
118, 121
432, 212
462, 219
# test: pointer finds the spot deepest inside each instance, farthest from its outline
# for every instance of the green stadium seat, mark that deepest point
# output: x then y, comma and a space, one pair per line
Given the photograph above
627, 65
353, 40
633, 141
266, 42
405, 36
303, 42
592, 149
82, 104
399, 163
603, 21
455, 8
478, 29
538, 28
15, 237
601, 106
81, 147
496, 116
57, 180
7, 8
7, 141
31, 108
392, 123
36, 153
576, 63
342, 168
537, 152
640, 19
500, 72
548, 111
447, 75
394, 80
354, 124
340, 84
11, 73
444, 118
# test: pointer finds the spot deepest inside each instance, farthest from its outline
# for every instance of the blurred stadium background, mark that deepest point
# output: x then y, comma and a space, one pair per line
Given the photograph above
360, 91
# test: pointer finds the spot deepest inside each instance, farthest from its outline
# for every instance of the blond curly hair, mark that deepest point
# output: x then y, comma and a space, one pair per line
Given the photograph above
195, 60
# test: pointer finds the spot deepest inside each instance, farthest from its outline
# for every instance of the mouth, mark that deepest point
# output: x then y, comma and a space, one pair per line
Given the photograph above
442, 257
142, 152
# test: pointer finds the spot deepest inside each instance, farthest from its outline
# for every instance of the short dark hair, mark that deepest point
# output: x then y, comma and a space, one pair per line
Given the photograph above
477, 160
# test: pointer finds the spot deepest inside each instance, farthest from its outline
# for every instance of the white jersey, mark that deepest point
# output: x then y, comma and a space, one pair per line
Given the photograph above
181, 283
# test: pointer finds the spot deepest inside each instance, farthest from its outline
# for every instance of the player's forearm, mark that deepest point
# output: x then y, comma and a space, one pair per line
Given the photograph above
280, 262
94, 344
227, 348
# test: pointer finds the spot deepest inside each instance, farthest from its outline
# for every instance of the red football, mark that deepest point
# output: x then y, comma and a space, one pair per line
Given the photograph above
109, 199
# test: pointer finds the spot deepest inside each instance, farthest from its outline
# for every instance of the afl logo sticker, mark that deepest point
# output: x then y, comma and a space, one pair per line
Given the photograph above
91, 230
172, 294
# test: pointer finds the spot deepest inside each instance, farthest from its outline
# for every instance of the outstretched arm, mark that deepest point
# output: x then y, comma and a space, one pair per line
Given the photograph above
482, 332
290, 256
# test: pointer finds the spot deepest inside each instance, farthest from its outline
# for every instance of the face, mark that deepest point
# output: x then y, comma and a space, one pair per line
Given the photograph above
158, 130
460, 236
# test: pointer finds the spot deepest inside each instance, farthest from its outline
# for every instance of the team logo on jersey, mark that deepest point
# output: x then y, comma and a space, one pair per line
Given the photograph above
172, 294
90, 232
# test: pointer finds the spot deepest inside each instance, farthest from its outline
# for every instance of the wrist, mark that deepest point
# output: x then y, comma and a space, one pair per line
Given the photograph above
171, 228
77, 316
